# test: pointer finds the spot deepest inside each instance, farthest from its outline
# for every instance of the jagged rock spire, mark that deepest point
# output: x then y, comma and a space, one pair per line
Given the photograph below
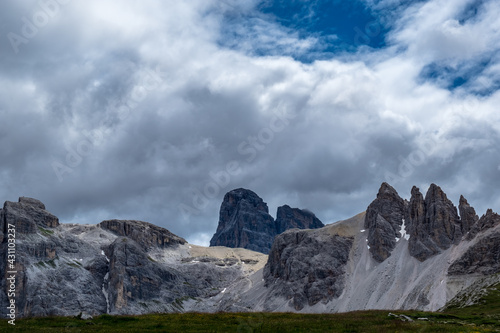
384, 217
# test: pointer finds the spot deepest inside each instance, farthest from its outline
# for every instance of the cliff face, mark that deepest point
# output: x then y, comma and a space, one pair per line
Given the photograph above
115, 267
307, 267
145, 234
244, 221
384, 218
294, 218
431, 225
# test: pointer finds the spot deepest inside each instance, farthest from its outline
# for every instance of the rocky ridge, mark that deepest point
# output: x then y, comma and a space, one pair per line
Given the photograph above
432, 225
399, 254
244, 221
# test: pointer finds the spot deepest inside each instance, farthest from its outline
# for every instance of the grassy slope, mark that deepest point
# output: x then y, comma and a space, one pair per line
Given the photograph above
482, 317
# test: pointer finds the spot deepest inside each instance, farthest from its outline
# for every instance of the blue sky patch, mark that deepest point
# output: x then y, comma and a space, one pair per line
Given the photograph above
350, 21
464, 75
305, 30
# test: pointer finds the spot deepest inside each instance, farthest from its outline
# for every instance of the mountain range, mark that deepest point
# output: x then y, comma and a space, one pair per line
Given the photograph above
421, 253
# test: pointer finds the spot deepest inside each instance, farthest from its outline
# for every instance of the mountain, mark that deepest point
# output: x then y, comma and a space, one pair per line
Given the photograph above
244, 221
420, 253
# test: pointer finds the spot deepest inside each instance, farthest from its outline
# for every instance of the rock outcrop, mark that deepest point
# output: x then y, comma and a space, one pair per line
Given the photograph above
487, 221
28, 215
384, 218
433, 223
483, 257
291, 218
145, 234
468, 215
244, 221
115, 267
307, 266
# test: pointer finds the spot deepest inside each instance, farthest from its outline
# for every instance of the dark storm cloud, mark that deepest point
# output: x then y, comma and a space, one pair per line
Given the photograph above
138, 111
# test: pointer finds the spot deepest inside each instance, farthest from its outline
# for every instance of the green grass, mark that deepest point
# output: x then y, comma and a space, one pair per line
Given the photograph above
43, 264
75, 264
361, 321
45, 232
486, 311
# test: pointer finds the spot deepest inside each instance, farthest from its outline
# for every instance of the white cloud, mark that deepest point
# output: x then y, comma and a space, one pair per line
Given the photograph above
355, 119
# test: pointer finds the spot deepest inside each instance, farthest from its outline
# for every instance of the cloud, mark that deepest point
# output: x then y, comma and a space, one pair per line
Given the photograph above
154, 110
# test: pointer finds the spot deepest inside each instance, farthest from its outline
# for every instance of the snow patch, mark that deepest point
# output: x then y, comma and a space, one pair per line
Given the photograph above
403, 232
362, 230
224, 290
368, 246
104, 291
102, 252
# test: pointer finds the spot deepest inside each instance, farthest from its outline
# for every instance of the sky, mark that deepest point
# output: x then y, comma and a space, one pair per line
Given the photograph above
153, 110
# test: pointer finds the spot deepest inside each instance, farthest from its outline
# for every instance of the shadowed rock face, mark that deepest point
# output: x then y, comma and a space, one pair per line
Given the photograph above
384, 217
145, 234
27, 215
467, 215
483, 257
434, 224
487, 221
62, 274
307, 266
244, 221
290, 218
133, 277
37, 249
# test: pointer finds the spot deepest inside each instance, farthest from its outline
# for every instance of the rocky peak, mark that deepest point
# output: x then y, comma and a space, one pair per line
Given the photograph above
384, 217
467, 215
27, 215
433, 223
32, 202
145, 234
443, 218
487, 221
290, 218
244, 221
